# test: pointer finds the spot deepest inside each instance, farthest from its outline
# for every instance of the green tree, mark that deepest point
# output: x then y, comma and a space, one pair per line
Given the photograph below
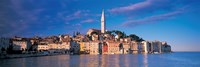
119, 33
135, 37
94, 33
3, 49
109, 32
10, 49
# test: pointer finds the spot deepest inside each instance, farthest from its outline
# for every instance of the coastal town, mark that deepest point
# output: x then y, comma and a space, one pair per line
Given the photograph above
93, 42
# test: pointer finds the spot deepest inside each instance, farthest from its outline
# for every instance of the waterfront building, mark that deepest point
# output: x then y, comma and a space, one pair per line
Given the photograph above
62, 47
74, 47
53, 46
104, 48
145, 47
134, 47
86, 47
65, 45
41, 47
59, 46
165, 47
82, 46
113, 48
126, 48
21, 44
156, 46
94, 47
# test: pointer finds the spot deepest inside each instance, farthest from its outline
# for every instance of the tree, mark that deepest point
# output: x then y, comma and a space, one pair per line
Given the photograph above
119, 33
3, 49
10, 49
77, 33
94, 33
140, 40
135, 37
35, 49
74, 34
22, 49
123, 35
109, 32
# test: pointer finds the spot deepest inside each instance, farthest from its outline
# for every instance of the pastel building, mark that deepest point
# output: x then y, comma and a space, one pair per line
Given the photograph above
74, 47
113, 48
145, 47
53, 46
41, 47
94, 48
82, 47
86, 47
21, 44
134, 47
165, 47
105, 48
156, 45
126, 48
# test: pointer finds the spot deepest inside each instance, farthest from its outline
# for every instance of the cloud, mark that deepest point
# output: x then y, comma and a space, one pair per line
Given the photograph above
88, 20
143, 7
153, 19
81, 16
131, 7
74, 16
151, 11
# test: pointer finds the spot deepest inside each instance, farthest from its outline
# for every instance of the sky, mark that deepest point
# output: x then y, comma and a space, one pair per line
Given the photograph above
174, 21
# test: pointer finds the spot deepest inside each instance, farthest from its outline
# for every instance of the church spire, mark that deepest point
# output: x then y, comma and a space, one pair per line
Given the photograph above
103, 25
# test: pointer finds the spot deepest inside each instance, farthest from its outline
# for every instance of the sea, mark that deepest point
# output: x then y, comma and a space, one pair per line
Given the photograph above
175, 59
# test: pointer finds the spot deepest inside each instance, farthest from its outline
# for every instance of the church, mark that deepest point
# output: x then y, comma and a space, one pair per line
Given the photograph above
103, 27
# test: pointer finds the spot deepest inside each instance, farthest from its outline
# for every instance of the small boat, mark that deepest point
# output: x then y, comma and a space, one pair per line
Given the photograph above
156, 53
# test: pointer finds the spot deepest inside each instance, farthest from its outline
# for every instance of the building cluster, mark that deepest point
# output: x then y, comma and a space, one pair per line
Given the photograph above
94, 42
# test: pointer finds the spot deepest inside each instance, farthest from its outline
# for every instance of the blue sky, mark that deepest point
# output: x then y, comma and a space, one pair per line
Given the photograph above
174, 21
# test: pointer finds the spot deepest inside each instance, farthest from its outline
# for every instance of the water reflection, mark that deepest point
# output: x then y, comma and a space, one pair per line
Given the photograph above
120, 60
79, 61
108, 60
145, 60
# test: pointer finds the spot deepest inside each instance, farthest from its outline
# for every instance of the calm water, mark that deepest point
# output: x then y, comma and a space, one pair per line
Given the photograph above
177, 59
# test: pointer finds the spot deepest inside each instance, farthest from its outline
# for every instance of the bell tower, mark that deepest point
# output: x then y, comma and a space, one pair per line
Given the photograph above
103, 25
